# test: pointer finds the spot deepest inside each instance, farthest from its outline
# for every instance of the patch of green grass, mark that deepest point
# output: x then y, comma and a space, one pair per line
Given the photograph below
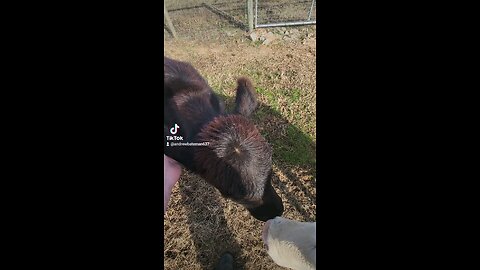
295, 148
269, 95
294, 94
255, 76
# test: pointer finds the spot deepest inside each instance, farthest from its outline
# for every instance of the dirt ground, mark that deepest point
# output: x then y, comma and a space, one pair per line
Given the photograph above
200, 225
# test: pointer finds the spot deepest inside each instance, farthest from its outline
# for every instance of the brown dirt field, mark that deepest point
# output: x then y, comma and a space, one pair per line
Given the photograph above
199, 224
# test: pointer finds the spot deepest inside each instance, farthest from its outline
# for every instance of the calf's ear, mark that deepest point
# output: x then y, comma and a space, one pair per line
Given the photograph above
246, 99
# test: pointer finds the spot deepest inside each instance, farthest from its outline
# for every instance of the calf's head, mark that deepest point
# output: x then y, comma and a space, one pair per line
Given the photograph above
238, 160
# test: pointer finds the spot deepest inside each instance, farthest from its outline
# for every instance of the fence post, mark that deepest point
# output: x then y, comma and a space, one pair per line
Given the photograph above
250, 15
168, 21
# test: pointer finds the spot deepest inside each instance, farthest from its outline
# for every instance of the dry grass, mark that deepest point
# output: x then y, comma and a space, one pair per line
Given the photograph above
200, 225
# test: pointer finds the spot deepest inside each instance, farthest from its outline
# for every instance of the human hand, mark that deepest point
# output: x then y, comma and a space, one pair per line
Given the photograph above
171, 174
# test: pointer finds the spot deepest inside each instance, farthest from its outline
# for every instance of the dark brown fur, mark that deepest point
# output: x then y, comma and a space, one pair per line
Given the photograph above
237, 160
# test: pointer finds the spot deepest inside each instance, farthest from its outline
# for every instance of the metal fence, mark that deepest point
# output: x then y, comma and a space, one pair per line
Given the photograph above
271, 13
204, 17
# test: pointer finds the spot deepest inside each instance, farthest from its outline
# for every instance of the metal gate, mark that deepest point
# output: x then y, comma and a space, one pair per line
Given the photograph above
272, 13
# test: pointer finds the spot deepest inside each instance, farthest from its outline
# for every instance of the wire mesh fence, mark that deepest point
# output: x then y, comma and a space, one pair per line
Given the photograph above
270, 13
216, 19
207, 19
